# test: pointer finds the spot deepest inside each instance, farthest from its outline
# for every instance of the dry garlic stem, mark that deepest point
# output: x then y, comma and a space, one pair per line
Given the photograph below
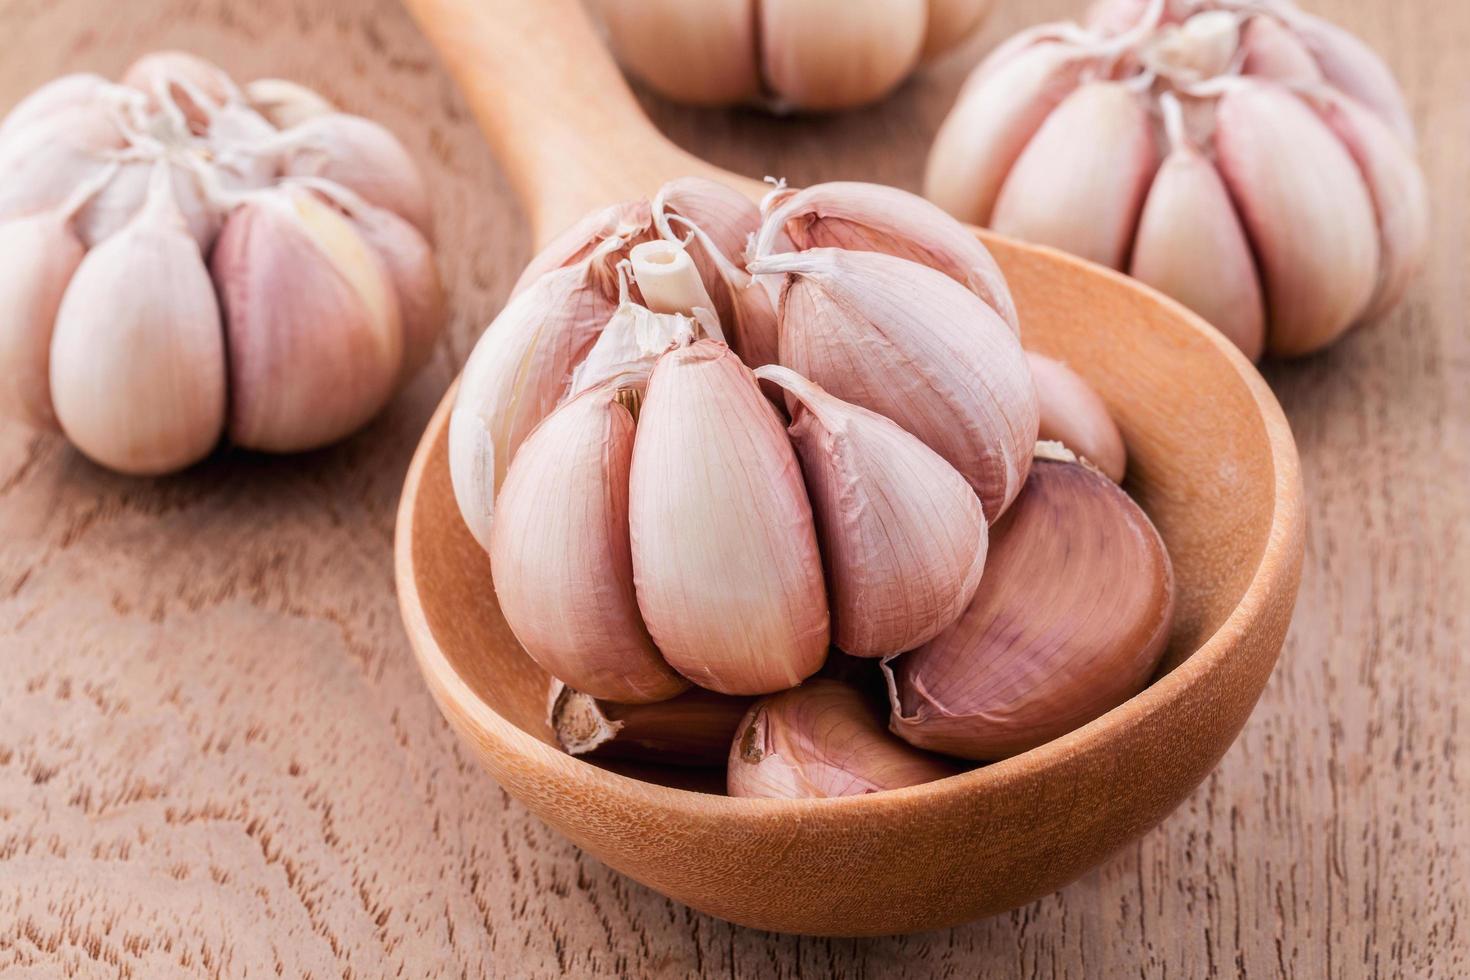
1073, 414
560, 555
693, 729
902, 534
1070, 620
933, 358
725, 559
823, 739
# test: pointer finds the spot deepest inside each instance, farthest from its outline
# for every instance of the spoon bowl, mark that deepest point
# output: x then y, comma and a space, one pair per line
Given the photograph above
1211, 459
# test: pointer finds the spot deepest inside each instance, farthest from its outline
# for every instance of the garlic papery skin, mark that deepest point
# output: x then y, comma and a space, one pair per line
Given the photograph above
365, 158
693, 729
876, 218
628, 221
315, 336
1234, 222
934, 358
820, 740
138, 373
902, 535
833, 54
124, 196
192, 84
285, 103
725, 560
560, 554
39, 254
518, 372
807, 55
1307, 211
1071, 619
1080, 183
1073, 414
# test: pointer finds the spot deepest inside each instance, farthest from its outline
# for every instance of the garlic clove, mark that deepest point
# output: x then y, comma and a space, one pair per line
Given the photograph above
365, 158
560, 554
1272, 51
1397, 187
991, 124
876, 218
727, 216
66, 92
950, 23
1190, 246
40, 254
409, 262
284, 103
1080, 183
1353, 68
137, 372
517, 374
629, 221
902, 534
314, 330
834, 54
124, 195
45, 161
1073, 414
1071, 620
934, 358
1307, 211
698, 54
196, 86
725, 559
693, 729
820, 740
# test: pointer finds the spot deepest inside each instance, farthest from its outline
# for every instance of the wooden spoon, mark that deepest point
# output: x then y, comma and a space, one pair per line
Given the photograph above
1211, 459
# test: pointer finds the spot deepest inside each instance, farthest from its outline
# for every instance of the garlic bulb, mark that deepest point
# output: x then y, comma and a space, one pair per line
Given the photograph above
786, 54
113, 327
1073, 414
902, 534
725, 557
934, 358
1071, 619
819, 740
1285, 206
693, 729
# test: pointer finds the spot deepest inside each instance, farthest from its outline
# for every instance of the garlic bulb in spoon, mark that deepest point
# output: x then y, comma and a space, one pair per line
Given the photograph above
1286, 205
305, 258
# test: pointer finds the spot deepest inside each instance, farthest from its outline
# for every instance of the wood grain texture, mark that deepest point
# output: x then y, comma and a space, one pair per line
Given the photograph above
217, 758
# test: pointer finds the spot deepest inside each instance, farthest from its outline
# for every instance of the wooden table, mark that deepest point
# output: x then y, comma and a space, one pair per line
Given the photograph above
217, 758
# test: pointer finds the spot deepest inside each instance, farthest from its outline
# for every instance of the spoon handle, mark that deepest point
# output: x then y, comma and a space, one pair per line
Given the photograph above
559, 116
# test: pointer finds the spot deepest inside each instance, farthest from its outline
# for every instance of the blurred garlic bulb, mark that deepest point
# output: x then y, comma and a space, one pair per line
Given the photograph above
113, 328
1073, 414
786, 54
820, 740
725, 559
693, 729
285, 103
1286, 205
934, 358
1071, 619
902, 534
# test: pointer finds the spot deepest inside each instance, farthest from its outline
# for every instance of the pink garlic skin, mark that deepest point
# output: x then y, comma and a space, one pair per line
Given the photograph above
1219, 225
1073, 414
